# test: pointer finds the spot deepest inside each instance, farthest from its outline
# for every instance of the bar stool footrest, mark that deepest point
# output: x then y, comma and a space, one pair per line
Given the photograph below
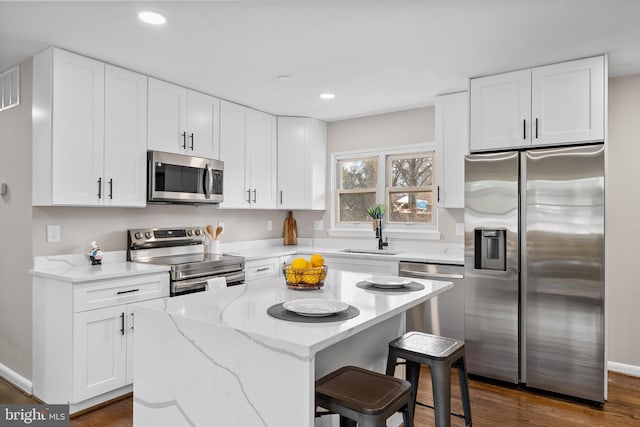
431, 407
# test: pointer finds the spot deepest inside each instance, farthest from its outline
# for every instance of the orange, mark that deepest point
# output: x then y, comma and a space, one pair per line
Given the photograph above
317, 260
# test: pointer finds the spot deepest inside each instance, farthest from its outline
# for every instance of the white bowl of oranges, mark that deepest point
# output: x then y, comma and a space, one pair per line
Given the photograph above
305, 274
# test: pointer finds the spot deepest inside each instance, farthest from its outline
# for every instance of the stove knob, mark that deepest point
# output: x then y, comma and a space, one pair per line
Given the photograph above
147, 234
189, 232
198, 232
138, 235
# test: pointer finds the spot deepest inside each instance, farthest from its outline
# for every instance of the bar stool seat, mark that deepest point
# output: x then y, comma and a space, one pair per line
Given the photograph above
364, 397
440, 354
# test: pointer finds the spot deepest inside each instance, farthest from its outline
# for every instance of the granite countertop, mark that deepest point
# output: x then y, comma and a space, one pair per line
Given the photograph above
243, 309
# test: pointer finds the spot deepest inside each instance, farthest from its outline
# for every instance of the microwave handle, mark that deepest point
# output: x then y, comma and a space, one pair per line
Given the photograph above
208, 175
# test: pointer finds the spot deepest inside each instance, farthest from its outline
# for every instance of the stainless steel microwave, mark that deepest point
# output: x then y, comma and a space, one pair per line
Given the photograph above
176, 178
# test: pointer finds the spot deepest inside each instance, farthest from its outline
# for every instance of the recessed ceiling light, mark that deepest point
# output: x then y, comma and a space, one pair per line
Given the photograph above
327, 95
152, 18
285, 78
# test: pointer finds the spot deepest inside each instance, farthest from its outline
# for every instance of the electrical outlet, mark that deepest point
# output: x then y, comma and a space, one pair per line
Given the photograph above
269, 225
459, 228
53, 233
318, 225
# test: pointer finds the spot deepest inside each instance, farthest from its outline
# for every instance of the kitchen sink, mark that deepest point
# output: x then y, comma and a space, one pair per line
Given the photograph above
370, 251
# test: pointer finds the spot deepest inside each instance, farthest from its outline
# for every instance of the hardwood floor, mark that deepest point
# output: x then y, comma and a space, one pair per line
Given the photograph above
491, 405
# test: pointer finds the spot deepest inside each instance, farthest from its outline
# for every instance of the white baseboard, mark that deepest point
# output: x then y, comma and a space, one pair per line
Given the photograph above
623, 368
16, 379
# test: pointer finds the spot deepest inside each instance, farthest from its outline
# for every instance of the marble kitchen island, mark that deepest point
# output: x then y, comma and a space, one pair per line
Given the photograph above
218, 359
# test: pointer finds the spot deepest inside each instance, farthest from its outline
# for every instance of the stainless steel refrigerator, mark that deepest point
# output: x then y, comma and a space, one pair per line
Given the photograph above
534, 268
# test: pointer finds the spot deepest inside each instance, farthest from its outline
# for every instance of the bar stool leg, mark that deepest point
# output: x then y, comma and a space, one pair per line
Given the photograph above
441, 385
413, 376
391, 363
347, 422
464, 392
407, 415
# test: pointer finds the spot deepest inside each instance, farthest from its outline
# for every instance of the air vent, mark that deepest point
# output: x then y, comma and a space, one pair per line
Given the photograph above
10, 88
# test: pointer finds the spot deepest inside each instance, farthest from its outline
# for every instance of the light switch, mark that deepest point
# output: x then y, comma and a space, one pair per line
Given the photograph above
53, 233
459, 228
318, 225
269, 225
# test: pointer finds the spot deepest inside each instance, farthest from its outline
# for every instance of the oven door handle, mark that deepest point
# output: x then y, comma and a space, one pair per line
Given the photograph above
183, 285
420, 274
181, 276
235, 279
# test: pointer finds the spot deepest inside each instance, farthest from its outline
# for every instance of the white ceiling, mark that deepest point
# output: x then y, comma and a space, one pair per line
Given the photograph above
376, 56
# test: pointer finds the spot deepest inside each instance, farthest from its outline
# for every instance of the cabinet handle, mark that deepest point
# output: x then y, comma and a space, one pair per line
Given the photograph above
262, 269
191, 136
100, 188
132, 321
249, 196
184, 140
280, 196
122, 323
438, 197
128, 292
111, 188
536, 128
524, 128
254, 195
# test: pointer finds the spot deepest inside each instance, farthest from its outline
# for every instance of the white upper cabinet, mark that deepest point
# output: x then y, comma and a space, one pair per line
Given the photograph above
302, 163
554, 104
125, 137
248, 150
452, 142
500, 110
89, 132
183, 121
567, 102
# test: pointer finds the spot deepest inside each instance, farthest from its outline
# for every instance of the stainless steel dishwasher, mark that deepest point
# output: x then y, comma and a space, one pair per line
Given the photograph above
444, 314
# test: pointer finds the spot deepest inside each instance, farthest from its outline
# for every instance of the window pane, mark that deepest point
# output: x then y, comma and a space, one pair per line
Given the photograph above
359, 174
412, 172
411, 207
353, 207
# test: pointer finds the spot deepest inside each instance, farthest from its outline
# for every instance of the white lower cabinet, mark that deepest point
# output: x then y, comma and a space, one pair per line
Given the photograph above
260, 268
83, 336
359, 265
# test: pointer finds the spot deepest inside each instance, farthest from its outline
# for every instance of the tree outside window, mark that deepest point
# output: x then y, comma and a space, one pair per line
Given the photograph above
357, 188
410, 188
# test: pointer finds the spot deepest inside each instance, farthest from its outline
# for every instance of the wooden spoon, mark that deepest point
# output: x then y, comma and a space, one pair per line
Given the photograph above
208, 230
218, 232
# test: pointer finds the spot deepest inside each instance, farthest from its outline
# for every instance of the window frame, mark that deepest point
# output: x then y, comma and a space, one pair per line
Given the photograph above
389, 189
393, 230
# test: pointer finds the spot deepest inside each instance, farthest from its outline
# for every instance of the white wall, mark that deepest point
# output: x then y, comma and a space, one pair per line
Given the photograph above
15, 222
623, 224
383, 131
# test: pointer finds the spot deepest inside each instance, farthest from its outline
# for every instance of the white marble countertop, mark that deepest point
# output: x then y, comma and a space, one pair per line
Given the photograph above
244, 309
77, 268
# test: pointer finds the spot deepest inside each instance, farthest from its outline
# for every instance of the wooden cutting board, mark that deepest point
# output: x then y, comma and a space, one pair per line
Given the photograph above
290, 230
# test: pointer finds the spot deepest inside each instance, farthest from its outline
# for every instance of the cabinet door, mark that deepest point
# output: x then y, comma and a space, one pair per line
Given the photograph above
293, 162
167, 117
262, 158
203, 125
452, 141
232, 153
568, 102
78, 130
99, 351
125, 135
500, 111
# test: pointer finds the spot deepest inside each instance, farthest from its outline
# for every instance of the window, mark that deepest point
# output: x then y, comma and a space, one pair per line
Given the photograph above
401, 178
409, 192
9, 88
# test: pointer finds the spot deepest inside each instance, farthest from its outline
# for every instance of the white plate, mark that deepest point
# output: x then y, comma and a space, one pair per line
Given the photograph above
387, 281
315, 306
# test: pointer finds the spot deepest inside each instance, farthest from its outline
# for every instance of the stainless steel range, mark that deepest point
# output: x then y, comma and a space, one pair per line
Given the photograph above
183, 250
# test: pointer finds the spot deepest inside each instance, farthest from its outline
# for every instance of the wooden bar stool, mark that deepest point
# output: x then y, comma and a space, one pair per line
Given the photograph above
440, 354
363, 397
